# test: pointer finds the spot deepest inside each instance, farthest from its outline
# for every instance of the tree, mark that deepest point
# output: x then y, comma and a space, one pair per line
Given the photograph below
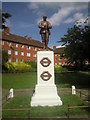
77, 44
86, 42
5, 16
5, 57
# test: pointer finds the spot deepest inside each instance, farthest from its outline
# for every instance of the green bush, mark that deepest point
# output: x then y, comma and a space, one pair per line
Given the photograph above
32, 63
5, 57
59, 68
17, 67
9, 67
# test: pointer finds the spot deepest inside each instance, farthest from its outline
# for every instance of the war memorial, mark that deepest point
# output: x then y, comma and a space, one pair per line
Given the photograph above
45, 90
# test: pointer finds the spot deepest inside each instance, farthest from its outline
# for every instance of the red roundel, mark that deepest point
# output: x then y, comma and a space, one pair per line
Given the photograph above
45, 75
45, 62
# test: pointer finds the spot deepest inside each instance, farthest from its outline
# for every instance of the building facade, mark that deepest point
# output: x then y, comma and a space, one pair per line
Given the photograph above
58, 59
25, 49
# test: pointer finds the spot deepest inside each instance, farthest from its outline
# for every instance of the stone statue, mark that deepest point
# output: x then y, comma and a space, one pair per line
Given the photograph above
44, 31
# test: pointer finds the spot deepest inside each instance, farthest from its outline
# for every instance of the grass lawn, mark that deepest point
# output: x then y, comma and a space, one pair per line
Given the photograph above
19, 80
24, 102
28, 80
79, 79
16, 102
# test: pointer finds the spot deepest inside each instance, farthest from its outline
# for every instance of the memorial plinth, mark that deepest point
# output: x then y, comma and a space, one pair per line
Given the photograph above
45, 90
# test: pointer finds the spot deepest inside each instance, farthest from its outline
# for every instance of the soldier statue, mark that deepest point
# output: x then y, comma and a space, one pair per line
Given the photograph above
44, 31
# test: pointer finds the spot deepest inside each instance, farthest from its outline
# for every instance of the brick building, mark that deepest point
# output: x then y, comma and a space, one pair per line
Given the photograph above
58, 59
22, 48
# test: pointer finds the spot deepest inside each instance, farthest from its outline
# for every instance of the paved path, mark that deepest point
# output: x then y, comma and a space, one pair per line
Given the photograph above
30, 91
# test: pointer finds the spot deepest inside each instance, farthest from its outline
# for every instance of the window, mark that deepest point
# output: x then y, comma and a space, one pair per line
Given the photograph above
64, 58
22, 53
22, 60
16, 60
22, 46
28, 54
60, 59
16, 52
9, 60
9, 43
63, 63
2, 42
28, 47
39, 49
16, 45
9, 52
34, 49
56, 63
59, 63
34, 55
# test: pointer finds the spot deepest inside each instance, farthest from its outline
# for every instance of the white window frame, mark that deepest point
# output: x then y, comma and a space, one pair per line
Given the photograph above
34, 55
22, 53
9, 44
16, 60
55, 63
16, 45
28, 54
60, 59
9, 60
22, 46
60, 63
16, 52
22, 60
28, 47
9, 52
34, 48
39, 49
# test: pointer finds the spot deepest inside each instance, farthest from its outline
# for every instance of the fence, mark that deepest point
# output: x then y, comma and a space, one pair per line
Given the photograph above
19, 109
71, 107
5, 98
83, 95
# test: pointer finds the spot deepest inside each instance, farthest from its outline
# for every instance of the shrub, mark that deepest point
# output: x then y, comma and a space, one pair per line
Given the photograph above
5, 57
17, 67
21, 67
59, 68
32, 63
9, 67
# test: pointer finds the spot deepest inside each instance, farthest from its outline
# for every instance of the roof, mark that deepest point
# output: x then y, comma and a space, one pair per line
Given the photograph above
59, 50
21, 40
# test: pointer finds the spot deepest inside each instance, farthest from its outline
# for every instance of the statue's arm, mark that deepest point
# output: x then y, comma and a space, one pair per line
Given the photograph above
40, 25
49, 25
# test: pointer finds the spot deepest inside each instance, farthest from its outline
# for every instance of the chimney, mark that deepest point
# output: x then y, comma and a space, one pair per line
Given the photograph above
30, 38
26, 37
54, 47
7, 30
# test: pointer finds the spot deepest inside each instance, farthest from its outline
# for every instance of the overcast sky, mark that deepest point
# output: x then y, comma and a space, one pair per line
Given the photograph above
26, 15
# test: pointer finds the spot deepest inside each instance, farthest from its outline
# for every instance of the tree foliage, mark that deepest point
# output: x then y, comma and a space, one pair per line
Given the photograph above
5, 57
77, 44
5, 16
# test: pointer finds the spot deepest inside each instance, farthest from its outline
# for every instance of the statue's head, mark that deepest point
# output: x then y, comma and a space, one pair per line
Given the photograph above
44, 18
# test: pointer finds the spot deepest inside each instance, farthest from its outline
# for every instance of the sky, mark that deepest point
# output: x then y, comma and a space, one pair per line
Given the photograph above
26, 15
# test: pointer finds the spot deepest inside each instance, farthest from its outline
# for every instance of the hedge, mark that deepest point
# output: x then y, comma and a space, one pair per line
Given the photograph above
17, 67
59, 68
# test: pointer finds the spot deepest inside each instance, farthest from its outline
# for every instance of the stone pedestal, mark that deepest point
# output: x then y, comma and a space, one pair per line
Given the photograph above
45, 90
